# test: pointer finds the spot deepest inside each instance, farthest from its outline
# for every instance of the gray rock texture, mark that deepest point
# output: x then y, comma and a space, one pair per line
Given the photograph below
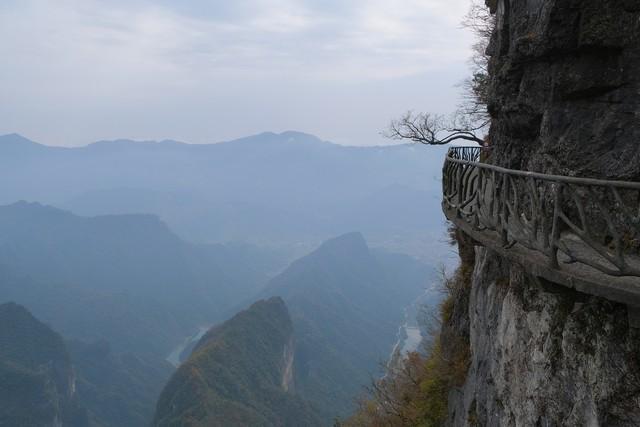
565, 99
565, 87
544, 355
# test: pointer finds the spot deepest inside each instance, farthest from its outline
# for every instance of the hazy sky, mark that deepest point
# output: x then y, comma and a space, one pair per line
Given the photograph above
76, 71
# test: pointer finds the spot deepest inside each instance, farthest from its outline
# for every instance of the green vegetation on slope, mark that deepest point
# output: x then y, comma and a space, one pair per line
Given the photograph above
118, 390
415, 394
238, 374
124, 278
36, 377
346, 303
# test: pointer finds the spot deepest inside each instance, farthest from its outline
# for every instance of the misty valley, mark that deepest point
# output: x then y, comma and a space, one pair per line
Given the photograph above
263, 281
363, 213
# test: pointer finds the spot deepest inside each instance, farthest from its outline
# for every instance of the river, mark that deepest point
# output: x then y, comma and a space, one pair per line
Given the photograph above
174, 356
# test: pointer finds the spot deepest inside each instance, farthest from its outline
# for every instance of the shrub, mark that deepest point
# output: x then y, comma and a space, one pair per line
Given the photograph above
416, 392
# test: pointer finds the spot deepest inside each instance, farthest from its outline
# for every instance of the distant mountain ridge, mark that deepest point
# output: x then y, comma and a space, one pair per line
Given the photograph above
16, 139
124, 278
278, 188
268, 137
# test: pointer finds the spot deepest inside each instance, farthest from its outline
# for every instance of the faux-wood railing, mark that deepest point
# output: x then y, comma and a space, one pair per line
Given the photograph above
563, 220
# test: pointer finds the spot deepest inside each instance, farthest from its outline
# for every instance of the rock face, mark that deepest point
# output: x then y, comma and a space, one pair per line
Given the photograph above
37, 381
565, 98
346, 302
565, 87
239, 374
117, 389
545, 355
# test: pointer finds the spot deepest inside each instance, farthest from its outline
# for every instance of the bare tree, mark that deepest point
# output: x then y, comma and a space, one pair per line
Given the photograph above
471, 119
432, 129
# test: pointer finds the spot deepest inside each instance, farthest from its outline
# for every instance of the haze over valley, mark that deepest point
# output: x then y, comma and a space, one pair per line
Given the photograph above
212, 214
132, 250
304, 213
277, 190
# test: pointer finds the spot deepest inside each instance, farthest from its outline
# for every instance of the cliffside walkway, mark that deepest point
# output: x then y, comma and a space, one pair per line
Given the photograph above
581, 233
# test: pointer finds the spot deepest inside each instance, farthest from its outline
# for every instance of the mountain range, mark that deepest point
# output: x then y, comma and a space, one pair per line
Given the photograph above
126, 279
123, 290
156, 241
289, 189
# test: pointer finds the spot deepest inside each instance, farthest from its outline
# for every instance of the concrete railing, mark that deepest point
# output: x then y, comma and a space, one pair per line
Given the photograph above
572, 229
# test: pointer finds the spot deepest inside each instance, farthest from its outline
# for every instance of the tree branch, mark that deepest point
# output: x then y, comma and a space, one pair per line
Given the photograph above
431, 129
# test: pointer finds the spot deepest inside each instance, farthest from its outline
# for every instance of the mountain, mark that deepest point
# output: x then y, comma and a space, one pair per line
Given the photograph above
280, 189
37, 380
126, 279
239, 374
346, 302
17, 145
45, 381
119, 390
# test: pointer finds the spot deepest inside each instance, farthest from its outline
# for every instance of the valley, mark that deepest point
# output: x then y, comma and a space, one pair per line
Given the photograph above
136, 294
303, 213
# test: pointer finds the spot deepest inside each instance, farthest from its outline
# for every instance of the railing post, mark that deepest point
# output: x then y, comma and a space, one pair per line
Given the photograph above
459, 188
504, 212
479, 198
555, 231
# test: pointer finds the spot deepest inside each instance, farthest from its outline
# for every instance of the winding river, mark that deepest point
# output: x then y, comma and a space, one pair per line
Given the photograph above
174, 356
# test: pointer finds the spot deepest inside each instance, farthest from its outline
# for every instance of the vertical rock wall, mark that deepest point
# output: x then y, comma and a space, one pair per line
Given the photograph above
565, 86
543, 355
565, 98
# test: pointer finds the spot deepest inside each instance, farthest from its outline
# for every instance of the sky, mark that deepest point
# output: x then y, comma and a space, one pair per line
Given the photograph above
78, 71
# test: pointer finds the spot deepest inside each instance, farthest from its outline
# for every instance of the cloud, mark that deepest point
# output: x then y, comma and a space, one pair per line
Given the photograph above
370, 38
104, 53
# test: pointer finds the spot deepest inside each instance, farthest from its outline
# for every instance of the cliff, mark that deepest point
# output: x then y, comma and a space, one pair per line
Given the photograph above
564, 87
37, 381
118, 390
346, 302
564, 97
240, 374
